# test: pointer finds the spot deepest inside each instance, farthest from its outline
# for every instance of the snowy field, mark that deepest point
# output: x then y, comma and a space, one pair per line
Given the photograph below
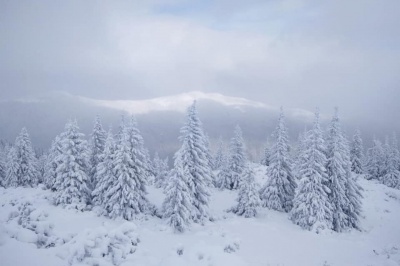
35, 232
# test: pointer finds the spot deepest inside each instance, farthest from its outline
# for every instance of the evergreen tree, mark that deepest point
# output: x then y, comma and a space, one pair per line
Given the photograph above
219, 159
266, 156
278, 192
127, 195
42, 166
248, 198
336, 167
161, 171
177, 206
23, 167
392, 176
12, 168
52, 161
3, 165
312, 209
345, 192
104, 173
97, 144
375, 160
300, 157
193, 155
72, 168
230, 175
356, 154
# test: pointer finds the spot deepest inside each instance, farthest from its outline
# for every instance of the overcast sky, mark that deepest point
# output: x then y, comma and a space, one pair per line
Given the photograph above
299, 54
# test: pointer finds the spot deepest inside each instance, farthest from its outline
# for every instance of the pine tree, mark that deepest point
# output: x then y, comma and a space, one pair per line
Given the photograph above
345, 192
52, 161
3, 165
193, 155
356, 154
72, 168
219, 158
392, 176
139, 154
12, 168
278, 192
300, 157
97, 144
104, 173
230, 175
248, 198
23, 167
177, 206
375, 160
266, 156
161, 171
312, 209
127, 195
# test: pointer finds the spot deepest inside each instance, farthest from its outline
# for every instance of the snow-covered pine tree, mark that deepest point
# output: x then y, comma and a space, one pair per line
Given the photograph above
127, 195
12, 168
193, 155
300, 157
336, 167
312, 209
161, 171
97, 144
209, 156
375, 160
248, 199
42, 166
266, 156
279, 189
392, 176
177, 206
229, 177
3, 165
219, 158
23, 170
104, 173
356, 154
139, 154
72, 168
49, 178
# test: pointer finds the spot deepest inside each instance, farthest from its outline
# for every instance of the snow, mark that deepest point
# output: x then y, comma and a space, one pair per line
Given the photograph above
268, 239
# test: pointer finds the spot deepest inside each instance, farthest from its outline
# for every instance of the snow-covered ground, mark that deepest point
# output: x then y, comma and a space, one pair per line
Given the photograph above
34, 232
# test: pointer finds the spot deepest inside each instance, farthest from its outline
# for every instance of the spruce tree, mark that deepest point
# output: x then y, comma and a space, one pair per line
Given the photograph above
52, 161
3, 165
300, 157
229, 177
161, 171
97, 144
12, 168
392, 176
72, 168
104, 173
266, 156
219, 158
312, 209
345, 193
248, 199
279, 189
356, 154
127, 195
375, 160
23, 169
177, 206
193, 155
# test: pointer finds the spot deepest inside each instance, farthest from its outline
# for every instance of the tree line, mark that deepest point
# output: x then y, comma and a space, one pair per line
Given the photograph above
316, 184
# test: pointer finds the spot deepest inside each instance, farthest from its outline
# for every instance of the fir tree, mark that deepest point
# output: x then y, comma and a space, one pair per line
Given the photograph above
161, 171
52, 161
23, 167
72, 168
375, 160
278, 192
248, 198
230, 175
356, 154
219, 158
104, 173
12, 168
300, 158
266, 156
127, 195
312, 209
97, 144
3, 165
392, 176
177, 206
193, 155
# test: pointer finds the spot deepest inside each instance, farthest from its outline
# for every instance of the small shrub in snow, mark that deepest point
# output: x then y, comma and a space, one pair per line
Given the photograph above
103, 247
232, 247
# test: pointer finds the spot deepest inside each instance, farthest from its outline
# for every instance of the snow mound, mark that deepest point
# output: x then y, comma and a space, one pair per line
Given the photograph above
100, 246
